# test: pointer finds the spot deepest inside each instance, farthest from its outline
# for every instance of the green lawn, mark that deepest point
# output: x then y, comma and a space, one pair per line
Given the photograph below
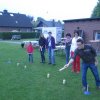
31, 83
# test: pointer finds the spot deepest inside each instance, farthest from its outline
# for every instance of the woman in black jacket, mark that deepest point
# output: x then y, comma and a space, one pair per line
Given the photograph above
42, 45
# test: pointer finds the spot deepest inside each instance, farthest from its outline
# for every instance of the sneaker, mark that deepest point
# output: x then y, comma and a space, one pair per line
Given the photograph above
72, 71
77, 72
84, 89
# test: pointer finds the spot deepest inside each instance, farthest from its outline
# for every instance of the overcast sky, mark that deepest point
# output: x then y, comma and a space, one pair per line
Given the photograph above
51, 9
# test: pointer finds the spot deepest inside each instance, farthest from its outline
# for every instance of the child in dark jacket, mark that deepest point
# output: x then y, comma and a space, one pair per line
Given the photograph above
30, 50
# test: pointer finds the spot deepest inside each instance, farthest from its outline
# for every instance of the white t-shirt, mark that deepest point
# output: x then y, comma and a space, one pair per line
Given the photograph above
74, 43
49, 40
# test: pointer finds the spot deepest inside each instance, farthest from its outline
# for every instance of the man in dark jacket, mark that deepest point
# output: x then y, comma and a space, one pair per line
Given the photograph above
89, 60
51, 47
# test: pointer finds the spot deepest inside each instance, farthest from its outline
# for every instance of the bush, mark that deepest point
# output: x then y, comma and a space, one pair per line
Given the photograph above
0, 35
6, 35
24, 35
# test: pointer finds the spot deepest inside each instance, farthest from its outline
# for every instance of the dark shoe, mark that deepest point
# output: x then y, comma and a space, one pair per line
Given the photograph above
98, 87
49, 63
42, 62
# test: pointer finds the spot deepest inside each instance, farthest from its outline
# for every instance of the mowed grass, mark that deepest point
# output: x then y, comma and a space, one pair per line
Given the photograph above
31, 83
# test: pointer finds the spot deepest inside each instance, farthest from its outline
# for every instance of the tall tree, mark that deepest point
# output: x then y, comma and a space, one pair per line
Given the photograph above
96, 11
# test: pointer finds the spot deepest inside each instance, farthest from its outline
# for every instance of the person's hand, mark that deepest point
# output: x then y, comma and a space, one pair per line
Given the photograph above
46, 49
96, 63
65, 66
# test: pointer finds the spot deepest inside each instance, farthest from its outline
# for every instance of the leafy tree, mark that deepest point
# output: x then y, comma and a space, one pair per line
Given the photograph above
96, 11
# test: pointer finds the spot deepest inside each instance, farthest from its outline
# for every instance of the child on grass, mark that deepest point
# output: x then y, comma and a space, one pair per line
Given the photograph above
30, 50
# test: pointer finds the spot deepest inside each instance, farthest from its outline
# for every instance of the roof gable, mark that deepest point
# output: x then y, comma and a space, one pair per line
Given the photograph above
78, 20
53, 23
14, 20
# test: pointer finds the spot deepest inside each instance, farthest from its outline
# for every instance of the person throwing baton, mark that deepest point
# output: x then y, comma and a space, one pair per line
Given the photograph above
89, 60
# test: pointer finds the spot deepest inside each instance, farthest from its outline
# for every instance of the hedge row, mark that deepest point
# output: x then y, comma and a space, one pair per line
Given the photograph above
8, 35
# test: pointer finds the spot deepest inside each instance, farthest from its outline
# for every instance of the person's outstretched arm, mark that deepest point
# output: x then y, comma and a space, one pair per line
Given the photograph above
67, 65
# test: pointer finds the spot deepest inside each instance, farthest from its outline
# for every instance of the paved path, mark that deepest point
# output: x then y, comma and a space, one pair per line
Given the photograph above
14, 42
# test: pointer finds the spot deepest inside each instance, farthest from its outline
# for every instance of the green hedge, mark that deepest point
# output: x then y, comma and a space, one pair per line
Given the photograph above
24, 35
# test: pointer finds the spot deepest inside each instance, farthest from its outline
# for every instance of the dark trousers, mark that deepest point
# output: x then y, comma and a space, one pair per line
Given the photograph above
67, 51
42, 51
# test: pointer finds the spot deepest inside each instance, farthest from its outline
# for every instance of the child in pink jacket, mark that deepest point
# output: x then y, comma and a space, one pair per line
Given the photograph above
30, 50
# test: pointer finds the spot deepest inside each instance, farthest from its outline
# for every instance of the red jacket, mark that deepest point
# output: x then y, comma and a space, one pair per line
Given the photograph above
30, 48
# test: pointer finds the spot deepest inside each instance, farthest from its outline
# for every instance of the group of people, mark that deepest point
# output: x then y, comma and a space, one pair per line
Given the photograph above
75, 49
78, 49
70, 46
44, 44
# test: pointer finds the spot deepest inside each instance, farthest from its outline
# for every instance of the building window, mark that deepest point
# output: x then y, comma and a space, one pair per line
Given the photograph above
0, 13
11, 15
97, 36
28, 30
16, 21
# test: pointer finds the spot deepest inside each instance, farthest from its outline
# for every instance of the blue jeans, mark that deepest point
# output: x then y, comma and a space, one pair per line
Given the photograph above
67, 51
94, 71
42, 55
30, 58
51, 55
